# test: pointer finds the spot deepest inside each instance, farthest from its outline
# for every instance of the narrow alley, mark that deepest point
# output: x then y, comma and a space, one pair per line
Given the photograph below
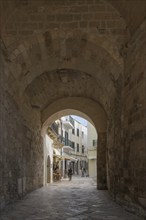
65, 200
64, 58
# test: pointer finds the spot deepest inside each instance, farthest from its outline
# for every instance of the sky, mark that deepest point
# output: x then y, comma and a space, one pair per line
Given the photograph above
79, 119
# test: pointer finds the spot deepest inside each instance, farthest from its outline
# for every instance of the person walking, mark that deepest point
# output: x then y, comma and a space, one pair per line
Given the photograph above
70, 174
82, 172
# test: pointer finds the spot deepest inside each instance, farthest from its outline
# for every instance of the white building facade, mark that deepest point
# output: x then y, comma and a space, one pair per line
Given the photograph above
65, 146
75, 145
92, 150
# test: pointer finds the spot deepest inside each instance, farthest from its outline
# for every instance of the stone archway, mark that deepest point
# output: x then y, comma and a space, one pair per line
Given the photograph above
94, 113
107, 52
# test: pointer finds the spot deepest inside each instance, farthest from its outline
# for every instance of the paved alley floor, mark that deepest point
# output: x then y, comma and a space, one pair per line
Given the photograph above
67, 200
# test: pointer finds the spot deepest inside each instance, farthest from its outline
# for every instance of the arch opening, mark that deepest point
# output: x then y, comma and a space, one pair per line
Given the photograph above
59, 109
105, 45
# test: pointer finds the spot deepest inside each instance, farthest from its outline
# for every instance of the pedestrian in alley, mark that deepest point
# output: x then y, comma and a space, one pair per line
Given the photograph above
70, 174
82, 172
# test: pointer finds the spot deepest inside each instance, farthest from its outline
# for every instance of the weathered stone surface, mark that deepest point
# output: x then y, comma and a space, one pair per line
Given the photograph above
92, 50
21, 153
126, 138
101, 162
78, 199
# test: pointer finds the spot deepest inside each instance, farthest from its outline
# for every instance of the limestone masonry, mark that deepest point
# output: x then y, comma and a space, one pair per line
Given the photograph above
62, 56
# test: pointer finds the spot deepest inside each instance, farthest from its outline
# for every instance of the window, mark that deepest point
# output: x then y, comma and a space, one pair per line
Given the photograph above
77, 132
73, 131
66, 138
73, 145
94, 143
82, 134
77, 147
82, 149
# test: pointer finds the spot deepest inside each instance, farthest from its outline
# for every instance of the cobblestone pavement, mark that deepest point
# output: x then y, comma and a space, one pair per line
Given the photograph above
67, 200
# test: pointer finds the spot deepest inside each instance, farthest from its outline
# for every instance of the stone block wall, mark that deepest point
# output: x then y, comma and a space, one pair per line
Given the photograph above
65, 14
21, 151
134, 113
126, 141
34, 32
101, 161
114, 141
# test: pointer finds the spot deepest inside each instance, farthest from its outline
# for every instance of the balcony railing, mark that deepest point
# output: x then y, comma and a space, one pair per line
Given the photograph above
69, 122
53, 132
54, 127
66, 142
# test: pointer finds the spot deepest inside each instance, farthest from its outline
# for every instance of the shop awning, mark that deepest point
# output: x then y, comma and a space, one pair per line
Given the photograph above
64, 157
69, 158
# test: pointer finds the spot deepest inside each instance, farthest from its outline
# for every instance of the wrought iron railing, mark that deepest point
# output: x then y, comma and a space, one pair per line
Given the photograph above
54, 127
70, 120
66, 142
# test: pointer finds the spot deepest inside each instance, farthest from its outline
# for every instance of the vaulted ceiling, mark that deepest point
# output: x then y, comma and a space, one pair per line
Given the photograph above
133, 11
81, 37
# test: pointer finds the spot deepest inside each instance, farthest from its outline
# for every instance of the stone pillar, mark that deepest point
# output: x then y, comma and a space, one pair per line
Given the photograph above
101, 162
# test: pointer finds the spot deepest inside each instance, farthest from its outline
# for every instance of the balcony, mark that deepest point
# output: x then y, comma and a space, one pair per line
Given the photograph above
69, 122
54, 127
66, 142
54, 135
